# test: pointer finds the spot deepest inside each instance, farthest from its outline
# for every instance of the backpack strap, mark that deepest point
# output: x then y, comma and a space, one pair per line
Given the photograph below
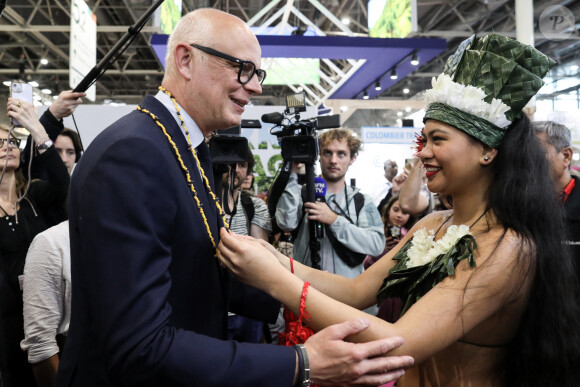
359, 202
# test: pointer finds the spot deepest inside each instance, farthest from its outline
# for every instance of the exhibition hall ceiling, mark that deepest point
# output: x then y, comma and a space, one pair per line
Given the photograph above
31, 30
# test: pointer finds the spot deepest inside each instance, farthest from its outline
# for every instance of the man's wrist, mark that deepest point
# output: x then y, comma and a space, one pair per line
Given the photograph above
303, 378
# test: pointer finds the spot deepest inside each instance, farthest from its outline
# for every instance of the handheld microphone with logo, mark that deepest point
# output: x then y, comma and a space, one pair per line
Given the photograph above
320, 194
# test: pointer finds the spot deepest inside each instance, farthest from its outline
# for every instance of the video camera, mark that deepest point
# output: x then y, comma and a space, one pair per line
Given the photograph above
299, 144
227, 147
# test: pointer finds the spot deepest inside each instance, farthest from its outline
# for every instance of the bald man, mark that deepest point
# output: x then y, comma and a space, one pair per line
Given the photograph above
149, 297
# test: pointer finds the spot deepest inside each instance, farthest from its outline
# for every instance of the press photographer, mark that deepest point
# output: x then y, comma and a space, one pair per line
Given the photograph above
352, 225
245, 213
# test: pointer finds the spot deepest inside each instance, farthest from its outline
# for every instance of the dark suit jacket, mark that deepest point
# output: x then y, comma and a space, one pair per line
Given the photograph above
149, 299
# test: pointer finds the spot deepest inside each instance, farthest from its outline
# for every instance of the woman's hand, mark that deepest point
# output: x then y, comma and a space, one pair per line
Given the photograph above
283, 259
248, 259
25, 113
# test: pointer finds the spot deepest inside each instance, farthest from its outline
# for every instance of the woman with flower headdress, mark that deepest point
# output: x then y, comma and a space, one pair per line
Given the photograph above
489, 297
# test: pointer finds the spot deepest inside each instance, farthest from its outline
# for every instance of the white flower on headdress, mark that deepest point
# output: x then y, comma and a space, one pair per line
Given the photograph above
424, 250
469, 99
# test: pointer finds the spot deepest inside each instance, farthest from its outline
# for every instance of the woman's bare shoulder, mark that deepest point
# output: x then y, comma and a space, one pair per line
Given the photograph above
502, 242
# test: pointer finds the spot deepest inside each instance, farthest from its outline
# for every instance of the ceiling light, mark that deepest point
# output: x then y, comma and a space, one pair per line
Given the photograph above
406, 90
377, 86
574, 67
399, 114
415, 60
345, 21
408, 109
7, 83
394, 74
366, 95
46, 91
33, 83
343, 108
44, 61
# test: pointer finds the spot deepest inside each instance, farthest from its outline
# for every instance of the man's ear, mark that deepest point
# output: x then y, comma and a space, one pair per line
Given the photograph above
567, 152
352, 159
183, 60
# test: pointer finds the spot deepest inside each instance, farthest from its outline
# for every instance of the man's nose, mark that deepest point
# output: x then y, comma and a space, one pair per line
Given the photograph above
254, 86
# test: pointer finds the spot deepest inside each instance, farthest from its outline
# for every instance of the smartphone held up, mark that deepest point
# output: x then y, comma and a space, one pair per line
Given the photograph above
394, 232
22, 91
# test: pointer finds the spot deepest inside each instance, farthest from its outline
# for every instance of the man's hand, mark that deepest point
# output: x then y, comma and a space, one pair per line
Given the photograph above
299, 168
320, 212
336, 362
65, 104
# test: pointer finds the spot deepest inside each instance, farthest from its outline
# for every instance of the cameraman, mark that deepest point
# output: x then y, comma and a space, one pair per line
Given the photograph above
351, 230
247, 215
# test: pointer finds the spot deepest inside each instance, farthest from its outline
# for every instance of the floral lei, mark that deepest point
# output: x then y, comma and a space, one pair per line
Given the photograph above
422, 263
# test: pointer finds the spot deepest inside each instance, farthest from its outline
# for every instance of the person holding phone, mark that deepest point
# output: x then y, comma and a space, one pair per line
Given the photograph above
52, 121
26, 209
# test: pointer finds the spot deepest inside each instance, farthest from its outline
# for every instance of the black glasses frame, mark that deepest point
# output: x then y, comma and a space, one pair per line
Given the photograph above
261, 74
12, 142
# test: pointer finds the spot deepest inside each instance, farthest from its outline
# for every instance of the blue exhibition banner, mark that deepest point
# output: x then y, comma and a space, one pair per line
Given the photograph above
388, 135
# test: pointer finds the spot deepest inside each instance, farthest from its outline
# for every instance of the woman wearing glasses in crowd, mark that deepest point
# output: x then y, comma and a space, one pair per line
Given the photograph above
26, 209
488, 290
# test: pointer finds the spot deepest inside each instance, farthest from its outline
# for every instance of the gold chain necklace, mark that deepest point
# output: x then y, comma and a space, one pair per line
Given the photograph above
184, 167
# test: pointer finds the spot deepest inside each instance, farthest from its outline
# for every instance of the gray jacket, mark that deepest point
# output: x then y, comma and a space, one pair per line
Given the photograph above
365, 236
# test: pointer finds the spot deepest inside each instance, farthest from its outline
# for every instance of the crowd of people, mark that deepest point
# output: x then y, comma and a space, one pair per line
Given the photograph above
131, 266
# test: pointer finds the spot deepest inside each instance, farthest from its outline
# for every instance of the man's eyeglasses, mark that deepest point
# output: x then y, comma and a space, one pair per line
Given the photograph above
247, 68
12, 142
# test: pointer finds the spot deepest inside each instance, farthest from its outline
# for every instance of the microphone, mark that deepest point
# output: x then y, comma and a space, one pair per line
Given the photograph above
273, 118
320, 194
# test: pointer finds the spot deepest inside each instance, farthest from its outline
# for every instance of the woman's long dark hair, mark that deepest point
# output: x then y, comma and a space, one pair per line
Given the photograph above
546, 349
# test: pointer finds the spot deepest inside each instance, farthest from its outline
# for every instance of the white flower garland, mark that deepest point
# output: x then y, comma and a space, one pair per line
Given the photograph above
424, 250
469, 99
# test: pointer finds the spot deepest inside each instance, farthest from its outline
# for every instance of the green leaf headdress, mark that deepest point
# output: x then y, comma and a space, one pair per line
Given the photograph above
485, 85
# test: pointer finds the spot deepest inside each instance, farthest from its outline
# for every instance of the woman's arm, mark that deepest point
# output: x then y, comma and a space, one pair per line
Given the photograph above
28, 118
445, 314
411, 199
